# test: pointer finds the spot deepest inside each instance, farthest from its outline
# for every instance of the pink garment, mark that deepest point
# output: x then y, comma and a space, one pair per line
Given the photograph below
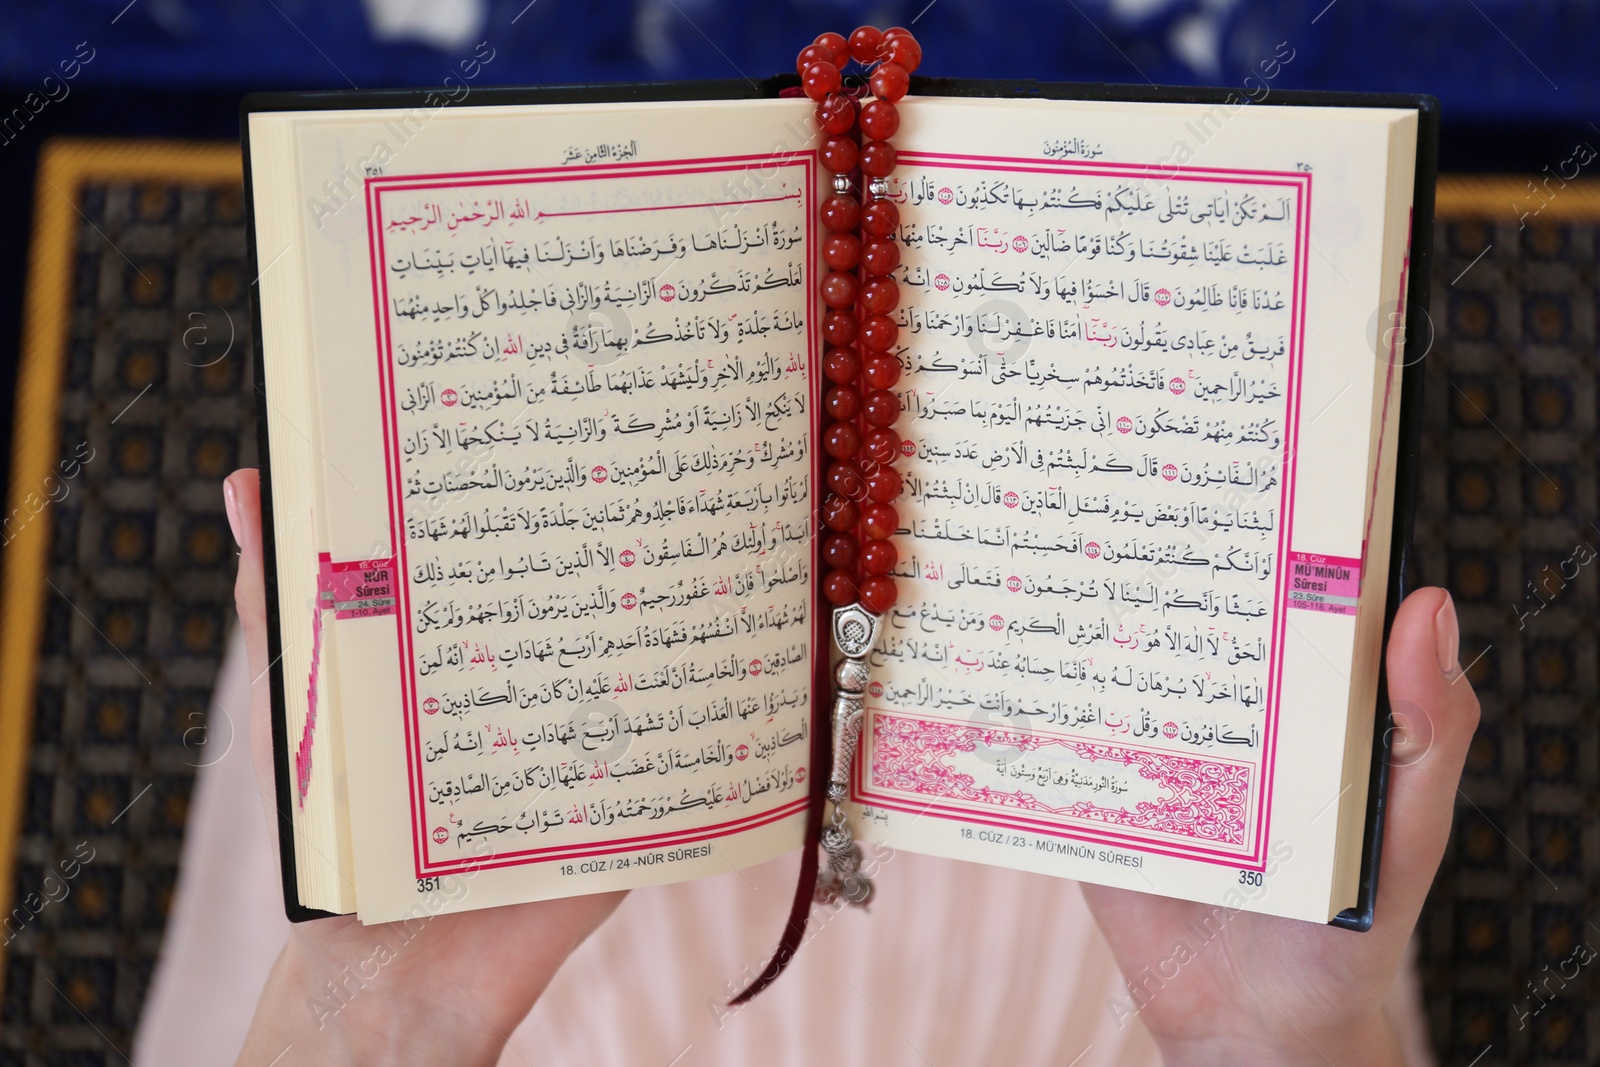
957, 964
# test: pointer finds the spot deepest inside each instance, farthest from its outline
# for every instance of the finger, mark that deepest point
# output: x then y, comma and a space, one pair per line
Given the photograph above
241, 492
1435, 713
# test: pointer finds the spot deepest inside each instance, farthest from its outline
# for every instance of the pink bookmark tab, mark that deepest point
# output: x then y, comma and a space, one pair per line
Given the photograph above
356, 589
1324, 583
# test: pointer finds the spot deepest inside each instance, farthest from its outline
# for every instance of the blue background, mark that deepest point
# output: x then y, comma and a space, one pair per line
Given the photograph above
1500, 61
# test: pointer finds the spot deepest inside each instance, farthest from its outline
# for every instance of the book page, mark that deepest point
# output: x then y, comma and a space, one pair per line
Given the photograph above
1140, 405
567, 357
310, 793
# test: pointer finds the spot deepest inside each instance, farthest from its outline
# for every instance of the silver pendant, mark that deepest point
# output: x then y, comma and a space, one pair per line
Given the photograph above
855, 632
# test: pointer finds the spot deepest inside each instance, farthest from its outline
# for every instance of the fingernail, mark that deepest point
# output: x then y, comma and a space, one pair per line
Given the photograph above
230, 500
1447, 636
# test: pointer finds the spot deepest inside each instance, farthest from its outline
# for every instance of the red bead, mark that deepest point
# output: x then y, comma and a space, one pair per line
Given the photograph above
839, 289
879, 119
845, 479
842, 441
880, 218
840, 213
881, 372
864, 44
836, 45
895, 31
878, 594
881, 409
839, 327
879, 557
839, 514
881, 445
880, 255
902, 51
811, 53
883, 485
839, 550
841, 365
841, 251
879, 521
877, 159
839, 588
889, 82
839, 155
879, 332
880, 295
819, 80
842, 402
836, 113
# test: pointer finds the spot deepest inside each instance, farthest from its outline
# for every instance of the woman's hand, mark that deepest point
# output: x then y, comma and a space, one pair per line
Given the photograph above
447, 989
1271, 990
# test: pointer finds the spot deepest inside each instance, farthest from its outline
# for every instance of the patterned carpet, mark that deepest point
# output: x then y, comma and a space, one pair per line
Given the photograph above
121, 594
1507, 523
155, 409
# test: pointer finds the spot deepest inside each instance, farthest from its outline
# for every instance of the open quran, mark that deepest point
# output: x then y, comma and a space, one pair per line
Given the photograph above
540, 388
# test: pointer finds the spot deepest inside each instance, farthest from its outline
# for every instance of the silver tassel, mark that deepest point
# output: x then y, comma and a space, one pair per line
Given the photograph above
855, 632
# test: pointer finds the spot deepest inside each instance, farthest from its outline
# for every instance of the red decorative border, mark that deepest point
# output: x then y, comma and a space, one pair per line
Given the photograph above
1254, 856
1207, 796
375, 188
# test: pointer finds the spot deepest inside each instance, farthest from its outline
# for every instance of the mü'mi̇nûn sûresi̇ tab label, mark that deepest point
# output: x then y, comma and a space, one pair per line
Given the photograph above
1324, 583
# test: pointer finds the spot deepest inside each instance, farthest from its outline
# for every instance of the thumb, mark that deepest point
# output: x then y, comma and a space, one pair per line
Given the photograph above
241, 492
1435, 713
